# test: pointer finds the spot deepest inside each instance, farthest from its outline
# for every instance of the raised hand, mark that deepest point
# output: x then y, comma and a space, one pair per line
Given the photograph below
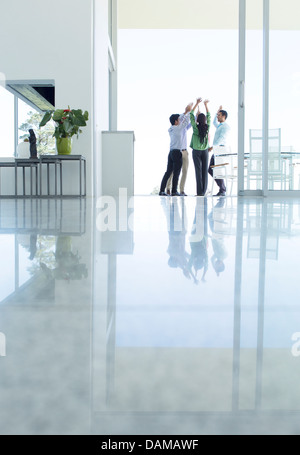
206, 101
189, 108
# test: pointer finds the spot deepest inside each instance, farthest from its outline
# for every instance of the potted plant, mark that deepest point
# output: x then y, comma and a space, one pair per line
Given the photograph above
68, 122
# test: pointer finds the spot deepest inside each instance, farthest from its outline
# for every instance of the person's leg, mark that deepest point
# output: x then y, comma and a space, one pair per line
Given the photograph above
198, 171
211, 163
204, 157
219, 182
177, 164
169, 184
185, 165
221, 185
167, 173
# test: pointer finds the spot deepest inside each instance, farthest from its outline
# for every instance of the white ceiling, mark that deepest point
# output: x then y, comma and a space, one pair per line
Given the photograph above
204, 14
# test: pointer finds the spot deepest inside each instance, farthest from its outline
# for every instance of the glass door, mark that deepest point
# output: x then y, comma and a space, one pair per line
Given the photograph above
284, 96
269, 78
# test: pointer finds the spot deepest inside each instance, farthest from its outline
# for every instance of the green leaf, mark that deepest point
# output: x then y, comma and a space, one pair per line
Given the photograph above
46, 118
67, 126
58, 114
86, 115
77, 112
79, 119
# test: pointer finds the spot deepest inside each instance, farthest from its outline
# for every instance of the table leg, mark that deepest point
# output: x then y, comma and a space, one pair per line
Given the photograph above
36, 180
84, 167
61, 181
16, 180
55, 167
80, 170
30, 180
48, 183
24, 192
41, 187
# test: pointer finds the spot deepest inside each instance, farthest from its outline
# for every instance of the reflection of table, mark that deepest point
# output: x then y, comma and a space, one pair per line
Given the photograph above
58, 160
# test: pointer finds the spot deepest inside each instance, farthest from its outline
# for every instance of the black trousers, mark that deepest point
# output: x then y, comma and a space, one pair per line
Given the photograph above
219, 182
174, 165
200, 158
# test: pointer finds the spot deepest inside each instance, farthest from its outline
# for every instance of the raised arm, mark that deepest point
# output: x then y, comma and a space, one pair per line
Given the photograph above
198, 101
216, 123
184, 118
206, 105
188, 108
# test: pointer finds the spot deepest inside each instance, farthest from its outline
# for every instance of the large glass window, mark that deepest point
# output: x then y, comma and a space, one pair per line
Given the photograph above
28, 117
284, 145
160, 71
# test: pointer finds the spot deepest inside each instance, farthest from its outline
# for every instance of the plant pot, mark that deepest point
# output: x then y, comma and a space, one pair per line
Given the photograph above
64, 145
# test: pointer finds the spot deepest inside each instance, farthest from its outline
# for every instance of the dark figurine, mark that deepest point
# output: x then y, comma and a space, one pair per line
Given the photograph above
32, 141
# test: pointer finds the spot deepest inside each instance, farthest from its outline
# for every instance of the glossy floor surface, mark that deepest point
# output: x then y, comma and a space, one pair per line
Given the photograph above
151, 316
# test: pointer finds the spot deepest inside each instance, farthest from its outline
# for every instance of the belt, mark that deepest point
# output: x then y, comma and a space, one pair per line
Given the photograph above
183, 150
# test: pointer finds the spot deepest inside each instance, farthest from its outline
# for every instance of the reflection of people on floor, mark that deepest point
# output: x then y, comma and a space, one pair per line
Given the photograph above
198, 240
178, 256
217, 238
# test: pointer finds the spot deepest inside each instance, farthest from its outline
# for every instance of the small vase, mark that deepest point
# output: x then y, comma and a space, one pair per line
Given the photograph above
64, 145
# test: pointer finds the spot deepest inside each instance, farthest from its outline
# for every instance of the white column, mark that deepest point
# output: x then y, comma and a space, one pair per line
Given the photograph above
241, 96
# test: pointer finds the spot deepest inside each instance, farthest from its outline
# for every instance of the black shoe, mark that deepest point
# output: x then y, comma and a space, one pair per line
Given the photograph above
183, 193
175, 194
162, 193
220, 193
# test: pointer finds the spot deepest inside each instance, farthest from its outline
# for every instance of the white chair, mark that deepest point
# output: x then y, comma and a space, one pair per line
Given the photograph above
275, 162
225, 166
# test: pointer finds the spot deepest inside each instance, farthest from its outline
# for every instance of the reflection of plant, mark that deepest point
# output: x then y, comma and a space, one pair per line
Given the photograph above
68, 121
67, 263
54, 256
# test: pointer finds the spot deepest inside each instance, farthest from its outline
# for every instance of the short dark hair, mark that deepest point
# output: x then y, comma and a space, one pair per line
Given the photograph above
173, 118
224, 113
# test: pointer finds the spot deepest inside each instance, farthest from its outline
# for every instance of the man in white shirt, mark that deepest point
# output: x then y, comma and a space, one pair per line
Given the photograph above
185, 162
220, 138
178, 126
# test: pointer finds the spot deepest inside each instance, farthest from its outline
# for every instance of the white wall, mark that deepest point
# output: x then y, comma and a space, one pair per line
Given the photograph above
42, 40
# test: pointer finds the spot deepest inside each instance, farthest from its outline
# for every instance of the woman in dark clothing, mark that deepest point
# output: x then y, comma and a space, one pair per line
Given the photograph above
200, 144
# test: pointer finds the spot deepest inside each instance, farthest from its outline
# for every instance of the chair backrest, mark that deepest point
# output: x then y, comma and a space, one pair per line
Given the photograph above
222, 157
274, 151
256, 141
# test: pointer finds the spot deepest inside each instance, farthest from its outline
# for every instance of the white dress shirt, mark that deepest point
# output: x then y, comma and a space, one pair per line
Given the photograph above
176, 133
222, 132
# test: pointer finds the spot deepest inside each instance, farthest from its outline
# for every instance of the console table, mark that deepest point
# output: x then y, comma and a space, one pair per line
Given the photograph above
58, 161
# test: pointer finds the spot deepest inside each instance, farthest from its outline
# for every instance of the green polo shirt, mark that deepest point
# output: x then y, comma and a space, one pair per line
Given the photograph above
196, 143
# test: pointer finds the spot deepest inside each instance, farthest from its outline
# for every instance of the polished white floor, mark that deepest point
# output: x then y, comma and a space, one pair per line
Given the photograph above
175, 316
